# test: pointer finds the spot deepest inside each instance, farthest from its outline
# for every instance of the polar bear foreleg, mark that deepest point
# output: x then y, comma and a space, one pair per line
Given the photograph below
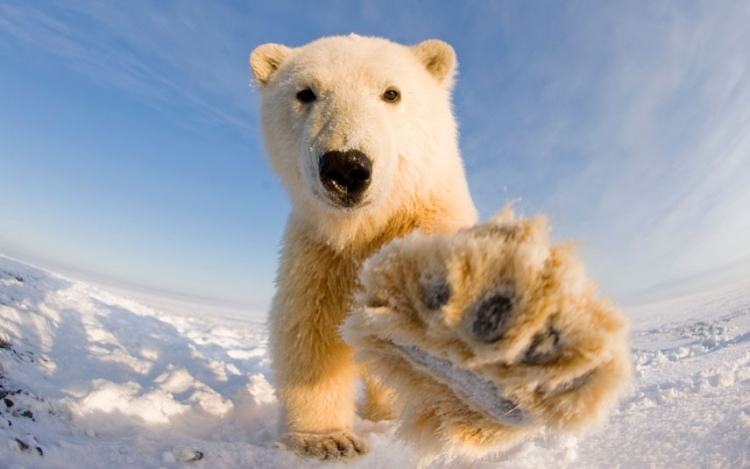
315, 371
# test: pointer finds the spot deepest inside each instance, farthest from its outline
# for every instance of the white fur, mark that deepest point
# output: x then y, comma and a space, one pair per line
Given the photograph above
413, 143
417, 182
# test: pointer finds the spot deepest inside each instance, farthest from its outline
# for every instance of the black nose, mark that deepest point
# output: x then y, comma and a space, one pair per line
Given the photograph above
346, 175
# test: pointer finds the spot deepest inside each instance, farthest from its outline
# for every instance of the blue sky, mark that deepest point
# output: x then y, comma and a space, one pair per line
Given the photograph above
130, 151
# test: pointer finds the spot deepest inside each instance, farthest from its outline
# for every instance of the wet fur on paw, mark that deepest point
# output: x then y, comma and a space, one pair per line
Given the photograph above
488, 336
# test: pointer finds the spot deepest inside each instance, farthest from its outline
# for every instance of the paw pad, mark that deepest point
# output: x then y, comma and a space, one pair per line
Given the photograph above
515, 339
437, 295
492, 317
545, 348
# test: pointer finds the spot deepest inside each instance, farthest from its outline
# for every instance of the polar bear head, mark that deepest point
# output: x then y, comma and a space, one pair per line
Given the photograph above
358, 127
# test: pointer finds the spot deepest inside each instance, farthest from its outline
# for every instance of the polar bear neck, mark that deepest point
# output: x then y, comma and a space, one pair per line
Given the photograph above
357, 236
361, 236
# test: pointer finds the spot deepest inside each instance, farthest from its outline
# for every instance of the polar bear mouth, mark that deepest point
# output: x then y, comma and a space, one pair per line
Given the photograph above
472, 389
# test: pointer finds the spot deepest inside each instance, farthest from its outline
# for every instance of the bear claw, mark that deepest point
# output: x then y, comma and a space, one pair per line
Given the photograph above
327, 446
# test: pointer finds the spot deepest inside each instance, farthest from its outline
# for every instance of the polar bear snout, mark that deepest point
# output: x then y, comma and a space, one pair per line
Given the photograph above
345, 175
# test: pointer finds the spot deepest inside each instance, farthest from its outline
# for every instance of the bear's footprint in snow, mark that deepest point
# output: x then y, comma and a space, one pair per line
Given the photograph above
488, 335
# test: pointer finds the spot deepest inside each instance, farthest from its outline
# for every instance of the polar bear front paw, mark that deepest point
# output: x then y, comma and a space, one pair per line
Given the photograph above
488, 335
330, 446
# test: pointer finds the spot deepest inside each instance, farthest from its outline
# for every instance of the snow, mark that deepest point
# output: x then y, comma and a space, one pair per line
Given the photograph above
93, 379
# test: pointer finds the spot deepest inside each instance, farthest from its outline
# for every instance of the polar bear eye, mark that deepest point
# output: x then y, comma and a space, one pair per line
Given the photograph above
391, 95
306, 96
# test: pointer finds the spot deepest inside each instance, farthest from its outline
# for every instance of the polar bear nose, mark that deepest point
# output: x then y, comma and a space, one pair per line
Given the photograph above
346, 175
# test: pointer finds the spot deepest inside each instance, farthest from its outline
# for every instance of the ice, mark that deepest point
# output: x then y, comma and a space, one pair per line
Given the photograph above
98, 380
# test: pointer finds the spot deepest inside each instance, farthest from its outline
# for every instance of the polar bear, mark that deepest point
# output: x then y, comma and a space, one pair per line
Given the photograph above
362, 134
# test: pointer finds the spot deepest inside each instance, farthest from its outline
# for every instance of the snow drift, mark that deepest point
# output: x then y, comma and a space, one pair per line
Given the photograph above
92, 379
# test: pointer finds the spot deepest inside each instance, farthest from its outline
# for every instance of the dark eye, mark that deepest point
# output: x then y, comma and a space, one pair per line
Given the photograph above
391, 95
306, 96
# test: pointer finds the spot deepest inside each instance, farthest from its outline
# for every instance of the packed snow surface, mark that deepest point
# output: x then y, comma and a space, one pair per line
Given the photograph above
89, 379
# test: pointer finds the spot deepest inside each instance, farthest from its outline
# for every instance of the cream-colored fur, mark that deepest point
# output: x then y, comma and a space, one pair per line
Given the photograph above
472, 338
417, 182
556, 355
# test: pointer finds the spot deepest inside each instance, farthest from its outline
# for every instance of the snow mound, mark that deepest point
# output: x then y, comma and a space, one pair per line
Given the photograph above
91, 379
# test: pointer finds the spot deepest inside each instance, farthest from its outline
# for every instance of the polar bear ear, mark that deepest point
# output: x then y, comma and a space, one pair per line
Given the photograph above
266, 59
439, 59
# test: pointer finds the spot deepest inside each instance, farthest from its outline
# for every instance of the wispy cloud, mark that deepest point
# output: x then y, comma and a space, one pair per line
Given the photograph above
169, 53
638, 137
627, 121
680, 194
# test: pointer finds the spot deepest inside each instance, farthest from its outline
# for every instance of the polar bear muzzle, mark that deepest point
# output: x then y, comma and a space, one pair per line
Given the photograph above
345, 175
